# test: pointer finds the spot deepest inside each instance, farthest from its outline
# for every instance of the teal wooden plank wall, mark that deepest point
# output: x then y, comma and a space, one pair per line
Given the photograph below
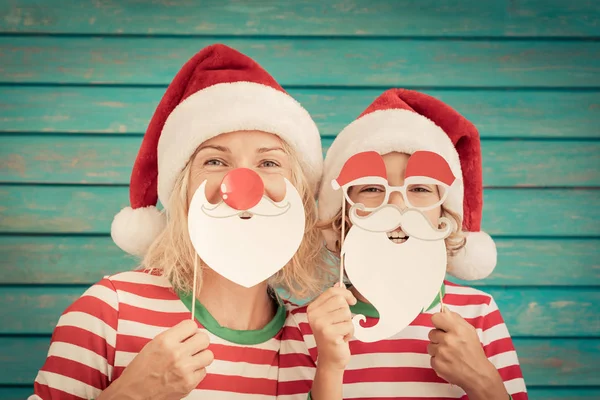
79, 81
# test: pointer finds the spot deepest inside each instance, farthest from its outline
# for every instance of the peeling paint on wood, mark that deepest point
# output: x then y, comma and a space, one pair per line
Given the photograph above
470, 18
496, 113
447, 63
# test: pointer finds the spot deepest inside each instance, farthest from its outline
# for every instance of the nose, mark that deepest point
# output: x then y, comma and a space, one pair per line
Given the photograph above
242, 189
397, 199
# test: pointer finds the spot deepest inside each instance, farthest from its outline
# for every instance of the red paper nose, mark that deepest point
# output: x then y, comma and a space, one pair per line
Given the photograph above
242, 189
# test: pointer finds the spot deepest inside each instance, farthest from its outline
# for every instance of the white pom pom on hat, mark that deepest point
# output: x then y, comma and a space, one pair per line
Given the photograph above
144, 224
476, 260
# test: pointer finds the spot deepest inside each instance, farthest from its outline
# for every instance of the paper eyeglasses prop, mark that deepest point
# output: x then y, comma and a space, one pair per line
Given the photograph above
394, 256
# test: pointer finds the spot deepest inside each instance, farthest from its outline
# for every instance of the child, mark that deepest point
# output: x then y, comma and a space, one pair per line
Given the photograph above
133, 335
464, 351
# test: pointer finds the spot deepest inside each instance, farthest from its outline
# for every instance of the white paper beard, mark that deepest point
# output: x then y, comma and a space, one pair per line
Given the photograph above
399, 280
247, 251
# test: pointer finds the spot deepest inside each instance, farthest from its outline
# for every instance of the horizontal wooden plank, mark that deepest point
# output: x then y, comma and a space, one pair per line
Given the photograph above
127, 110
539, 262
60, 260
345, 62
108, 160
531, 312
80, 209
471, 18
559, 361
84, 260
548, 362
538, 311
535, 393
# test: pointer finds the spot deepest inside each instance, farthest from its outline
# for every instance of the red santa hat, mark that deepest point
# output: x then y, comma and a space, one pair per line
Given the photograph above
407, 121
219, 90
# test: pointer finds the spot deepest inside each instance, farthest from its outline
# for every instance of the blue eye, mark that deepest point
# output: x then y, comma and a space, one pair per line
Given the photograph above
214, 162
270, 164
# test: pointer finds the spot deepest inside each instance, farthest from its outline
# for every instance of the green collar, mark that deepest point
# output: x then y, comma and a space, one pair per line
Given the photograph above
250, 337
369, 310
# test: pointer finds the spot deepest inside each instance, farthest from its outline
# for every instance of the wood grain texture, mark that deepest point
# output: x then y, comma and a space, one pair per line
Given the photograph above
470, 18
531, 312
60, 260
127, 110
343, 62
84, 260
80, 209
108, 160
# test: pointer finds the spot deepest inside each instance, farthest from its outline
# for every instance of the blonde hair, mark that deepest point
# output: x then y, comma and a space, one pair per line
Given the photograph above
454, 242
172, 253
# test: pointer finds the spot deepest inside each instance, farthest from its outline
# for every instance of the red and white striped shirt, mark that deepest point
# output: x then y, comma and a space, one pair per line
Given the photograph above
399, 368
103, 330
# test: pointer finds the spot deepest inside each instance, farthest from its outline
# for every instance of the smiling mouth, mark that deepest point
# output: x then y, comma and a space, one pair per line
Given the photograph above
397, 236
245, 215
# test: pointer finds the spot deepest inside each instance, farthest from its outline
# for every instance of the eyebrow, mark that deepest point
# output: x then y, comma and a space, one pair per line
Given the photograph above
268, 149
219, 148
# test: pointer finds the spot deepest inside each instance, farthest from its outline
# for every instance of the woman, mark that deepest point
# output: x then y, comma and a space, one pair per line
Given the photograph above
132, 335
459, 346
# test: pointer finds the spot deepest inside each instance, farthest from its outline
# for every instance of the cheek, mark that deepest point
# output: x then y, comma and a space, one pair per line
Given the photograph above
434, 216
212, 193
274, 187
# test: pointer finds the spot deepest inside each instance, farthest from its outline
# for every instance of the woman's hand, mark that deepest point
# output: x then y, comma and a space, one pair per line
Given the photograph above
458, 357
330, 319
168, 367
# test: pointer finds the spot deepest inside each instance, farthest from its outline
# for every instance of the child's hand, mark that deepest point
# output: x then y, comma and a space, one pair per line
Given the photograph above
330, 319
458, 357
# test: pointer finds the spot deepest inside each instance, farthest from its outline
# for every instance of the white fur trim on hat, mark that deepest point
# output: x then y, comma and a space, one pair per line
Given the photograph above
229, 107
134, 230
476, 260
385, 131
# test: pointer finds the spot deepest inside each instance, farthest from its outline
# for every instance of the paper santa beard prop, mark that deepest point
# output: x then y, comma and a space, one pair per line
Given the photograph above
394, 257
246, 237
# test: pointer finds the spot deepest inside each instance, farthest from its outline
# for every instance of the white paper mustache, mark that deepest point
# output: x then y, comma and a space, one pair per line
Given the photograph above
389, 217
265, 208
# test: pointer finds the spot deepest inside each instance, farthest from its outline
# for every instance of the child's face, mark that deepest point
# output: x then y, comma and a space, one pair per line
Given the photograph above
259, 151
372, 195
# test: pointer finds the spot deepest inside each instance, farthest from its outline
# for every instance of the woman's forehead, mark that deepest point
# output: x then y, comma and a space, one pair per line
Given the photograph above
254, 139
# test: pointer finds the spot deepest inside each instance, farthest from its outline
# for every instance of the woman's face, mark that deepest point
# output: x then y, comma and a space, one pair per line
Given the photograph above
256, 150
395, 164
